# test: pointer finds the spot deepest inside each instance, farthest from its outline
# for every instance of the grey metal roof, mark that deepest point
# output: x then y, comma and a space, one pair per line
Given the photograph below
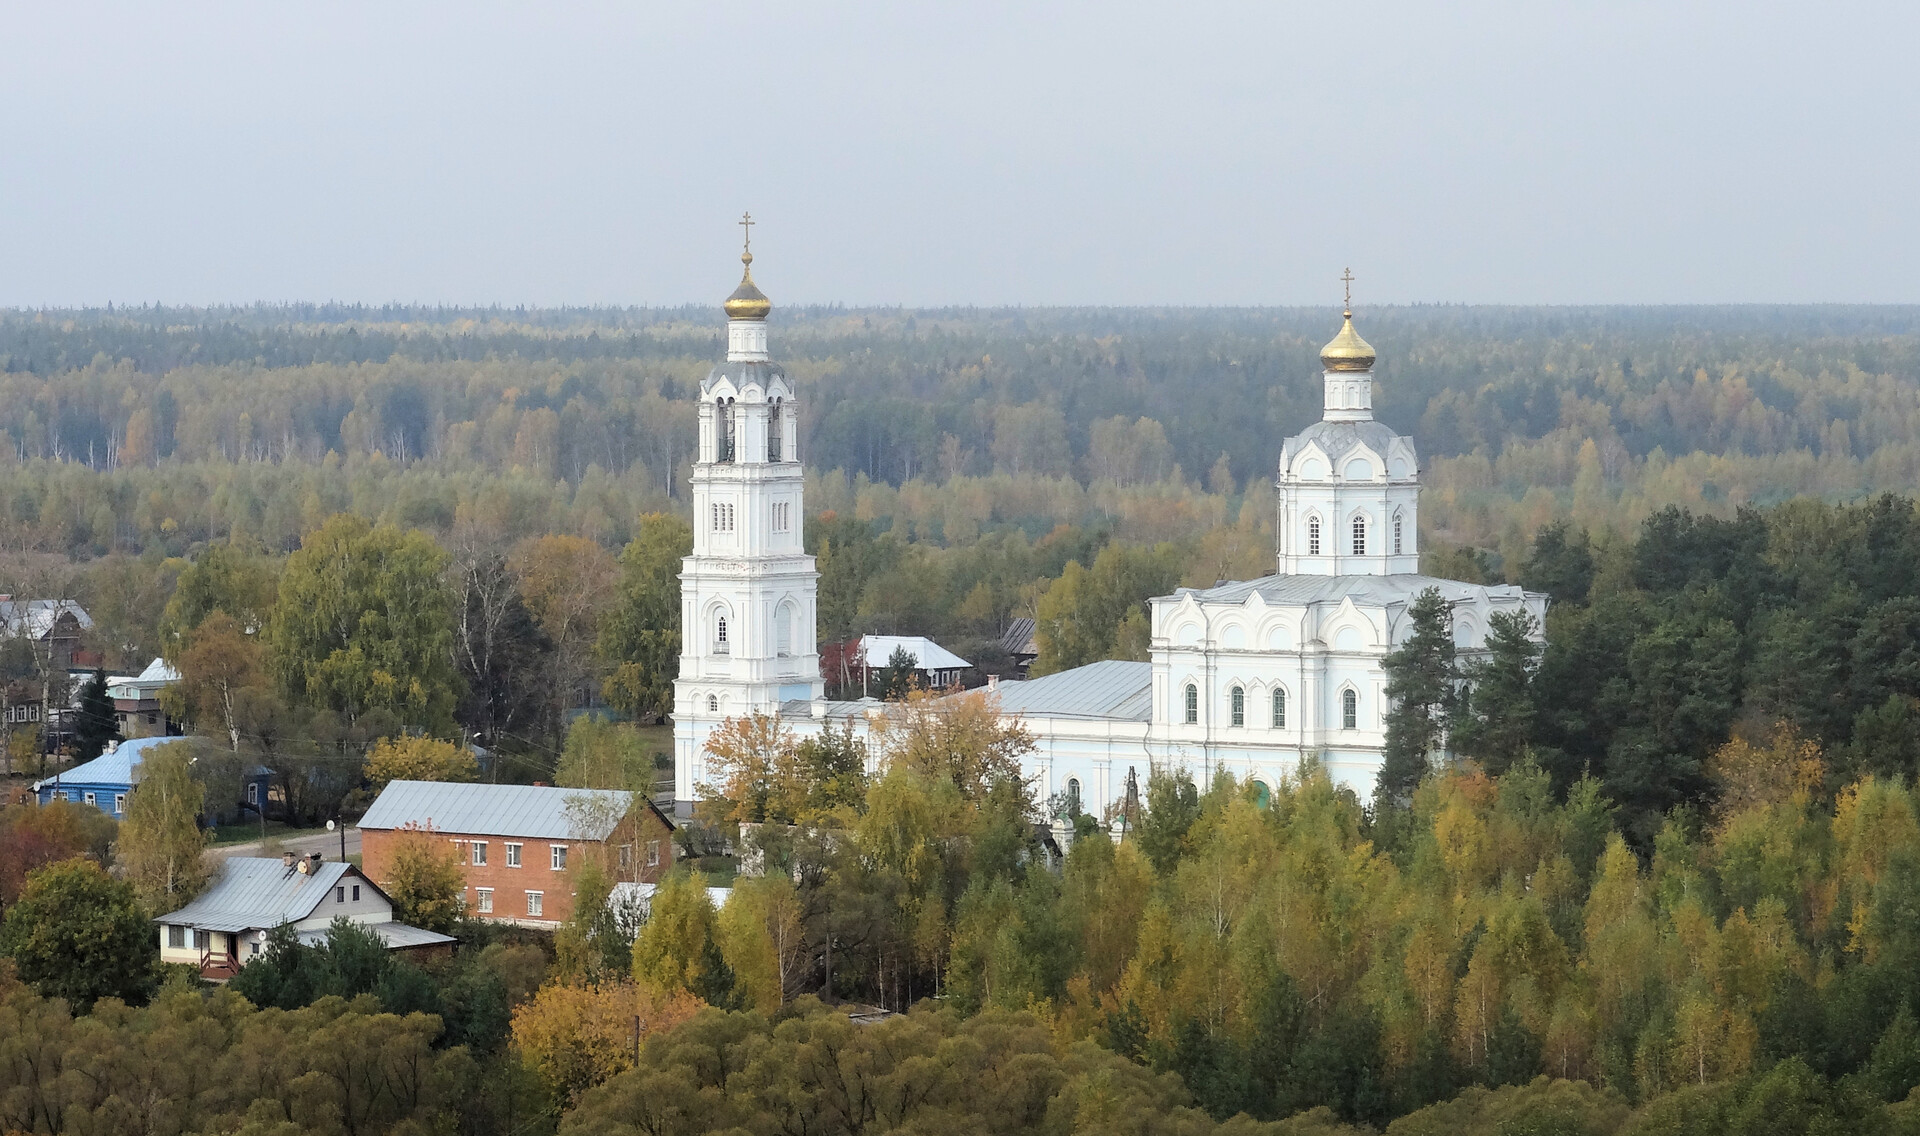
397, 936
1019, 637
537, 811
761, 374
1114, 689
113, 768
253, 893
1336, 438
36, 617
927, 655
1398, 588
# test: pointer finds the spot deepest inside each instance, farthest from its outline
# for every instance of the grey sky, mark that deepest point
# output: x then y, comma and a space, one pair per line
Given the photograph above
966, 153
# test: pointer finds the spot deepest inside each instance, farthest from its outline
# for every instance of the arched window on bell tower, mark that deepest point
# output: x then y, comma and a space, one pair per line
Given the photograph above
776, 449
1313, 536
1399, 523
1359, 536
728, 430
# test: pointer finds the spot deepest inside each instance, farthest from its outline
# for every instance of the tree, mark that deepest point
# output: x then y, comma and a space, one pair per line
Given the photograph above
672, 952
640, 635
588, 947
896, 680
94, 722
219, 663
33, 836
412, 758
424, 881
226, 578
604, 755
961, 739
1560, 564
1421, 680
577, 1037
78, 934
1084, 616
161, 843
364, 622
568, 583
505, 659
1495, 724
757, 776
1173, 805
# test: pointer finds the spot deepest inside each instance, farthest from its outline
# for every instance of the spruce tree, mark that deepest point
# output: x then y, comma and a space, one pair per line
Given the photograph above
94, 723
1421, 680
1496, 716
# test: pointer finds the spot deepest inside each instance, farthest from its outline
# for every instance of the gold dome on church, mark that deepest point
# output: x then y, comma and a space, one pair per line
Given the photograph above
1347, 351
748, 302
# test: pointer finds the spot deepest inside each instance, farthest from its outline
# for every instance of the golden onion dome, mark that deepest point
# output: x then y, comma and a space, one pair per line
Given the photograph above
1347, 351
748, 302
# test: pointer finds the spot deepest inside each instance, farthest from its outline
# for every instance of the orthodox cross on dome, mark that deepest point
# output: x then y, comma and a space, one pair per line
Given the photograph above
746, 224
1346, 278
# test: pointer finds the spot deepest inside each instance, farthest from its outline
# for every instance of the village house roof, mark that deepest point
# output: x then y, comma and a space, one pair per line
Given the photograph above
146, 685
254, 893
540, 812
34, 618
1019, 637
115, 767
928, 656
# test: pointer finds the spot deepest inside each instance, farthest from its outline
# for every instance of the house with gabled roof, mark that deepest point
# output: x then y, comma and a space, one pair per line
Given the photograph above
226, 927
518, 845
108, 781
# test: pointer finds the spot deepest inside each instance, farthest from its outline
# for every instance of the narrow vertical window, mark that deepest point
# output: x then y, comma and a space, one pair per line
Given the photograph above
724, 408
1237, 701
1359, 536
1349, 710
783, 631
1313, 536
720, 646
1396, 534
775, 442
1279, 709
1193, 704
713, 704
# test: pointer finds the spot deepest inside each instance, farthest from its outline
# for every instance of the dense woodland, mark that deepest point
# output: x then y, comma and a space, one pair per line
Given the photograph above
1668, 880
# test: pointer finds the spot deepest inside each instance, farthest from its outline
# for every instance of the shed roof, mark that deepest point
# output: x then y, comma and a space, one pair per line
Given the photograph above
537, 811
1113, 688
253, 893
35, 618
928, 656
1019, 637
397, 936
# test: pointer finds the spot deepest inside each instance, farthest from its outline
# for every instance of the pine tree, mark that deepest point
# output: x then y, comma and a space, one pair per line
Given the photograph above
1496, 718
1421, 680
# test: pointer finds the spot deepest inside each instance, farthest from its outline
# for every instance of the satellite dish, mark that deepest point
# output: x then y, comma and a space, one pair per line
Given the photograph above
329, 826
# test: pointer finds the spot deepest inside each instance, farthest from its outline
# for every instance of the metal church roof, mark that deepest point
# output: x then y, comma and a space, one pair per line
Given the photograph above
927, 655
537, 811
1113, 689
1386, 590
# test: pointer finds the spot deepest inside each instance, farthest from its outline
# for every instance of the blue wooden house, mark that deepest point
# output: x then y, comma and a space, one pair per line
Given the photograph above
108, 780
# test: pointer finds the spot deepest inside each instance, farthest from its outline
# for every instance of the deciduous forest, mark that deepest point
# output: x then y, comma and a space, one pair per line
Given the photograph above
1669, 883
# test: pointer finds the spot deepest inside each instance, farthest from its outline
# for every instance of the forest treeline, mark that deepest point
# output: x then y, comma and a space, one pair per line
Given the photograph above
156, 428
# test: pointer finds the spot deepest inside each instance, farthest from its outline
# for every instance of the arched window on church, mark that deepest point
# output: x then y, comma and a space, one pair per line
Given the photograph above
1279, 708
1313, 536
1073, 798
775, 441
713, 704
1359, 536
724, 408
1398, 521
1349, 710
783, 631
720, 636
1237, 700
1193, 704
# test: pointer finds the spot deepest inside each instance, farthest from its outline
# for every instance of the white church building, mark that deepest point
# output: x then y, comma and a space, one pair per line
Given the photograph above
1253, 676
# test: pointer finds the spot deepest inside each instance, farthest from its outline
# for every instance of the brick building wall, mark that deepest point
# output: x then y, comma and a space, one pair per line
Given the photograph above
521, 879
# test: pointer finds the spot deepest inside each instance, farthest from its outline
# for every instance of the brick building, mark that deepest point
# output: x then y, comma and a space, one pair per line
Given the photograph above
518, 845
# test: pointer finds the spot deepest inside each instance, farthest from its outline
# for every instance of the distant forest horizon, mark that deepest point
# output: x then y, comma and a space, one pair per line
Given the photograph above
153, 428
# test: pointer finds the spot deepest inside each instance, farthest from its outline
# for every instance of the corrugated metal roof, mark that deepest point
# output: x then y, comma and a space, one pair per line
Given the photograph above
1394, 589
255, 893
1114, 688
537, 811
115, 768
642, 896
928, 655
1019, 637
397, 936
37, 617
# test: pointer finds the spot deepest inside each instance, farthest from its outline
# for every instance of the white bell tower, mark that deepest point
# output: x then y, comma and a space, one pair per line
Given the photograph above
1349, 487
748, 592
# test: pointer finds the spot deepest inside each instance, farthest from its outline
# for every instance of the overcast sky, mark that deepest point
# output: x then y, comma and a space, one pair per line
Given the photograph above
897, 153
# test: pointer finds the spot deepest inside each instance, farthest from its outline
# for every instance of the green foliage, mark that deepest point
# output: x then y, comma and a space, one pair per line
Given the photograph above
226, 578
1421, 688
1494, 720
604, 755
1092, 614
640, 636
94, 721
161, 843
1173, 805
364, 623
76, 933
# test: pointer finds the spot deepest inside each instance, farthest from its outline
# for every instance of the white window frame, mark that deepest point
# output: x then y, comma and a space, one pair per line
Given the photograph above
119, 803
176, 937
536, 904
479, 848
1349, 709
1359, 536
1399, 523
653, 853
1192, 710
1313, 536
557, 853
513, 854
91, 800
1278, 707
483, 900
1237, 705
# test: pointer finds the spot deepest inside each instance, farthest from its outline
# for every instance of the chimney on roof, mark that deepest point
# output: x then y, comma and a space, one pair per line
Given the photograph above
286, 858
993, 682
313, 862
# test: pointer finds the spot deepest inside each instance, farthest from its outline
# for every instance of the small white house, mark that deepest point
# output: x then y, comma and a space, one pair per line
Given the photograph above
227, 926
